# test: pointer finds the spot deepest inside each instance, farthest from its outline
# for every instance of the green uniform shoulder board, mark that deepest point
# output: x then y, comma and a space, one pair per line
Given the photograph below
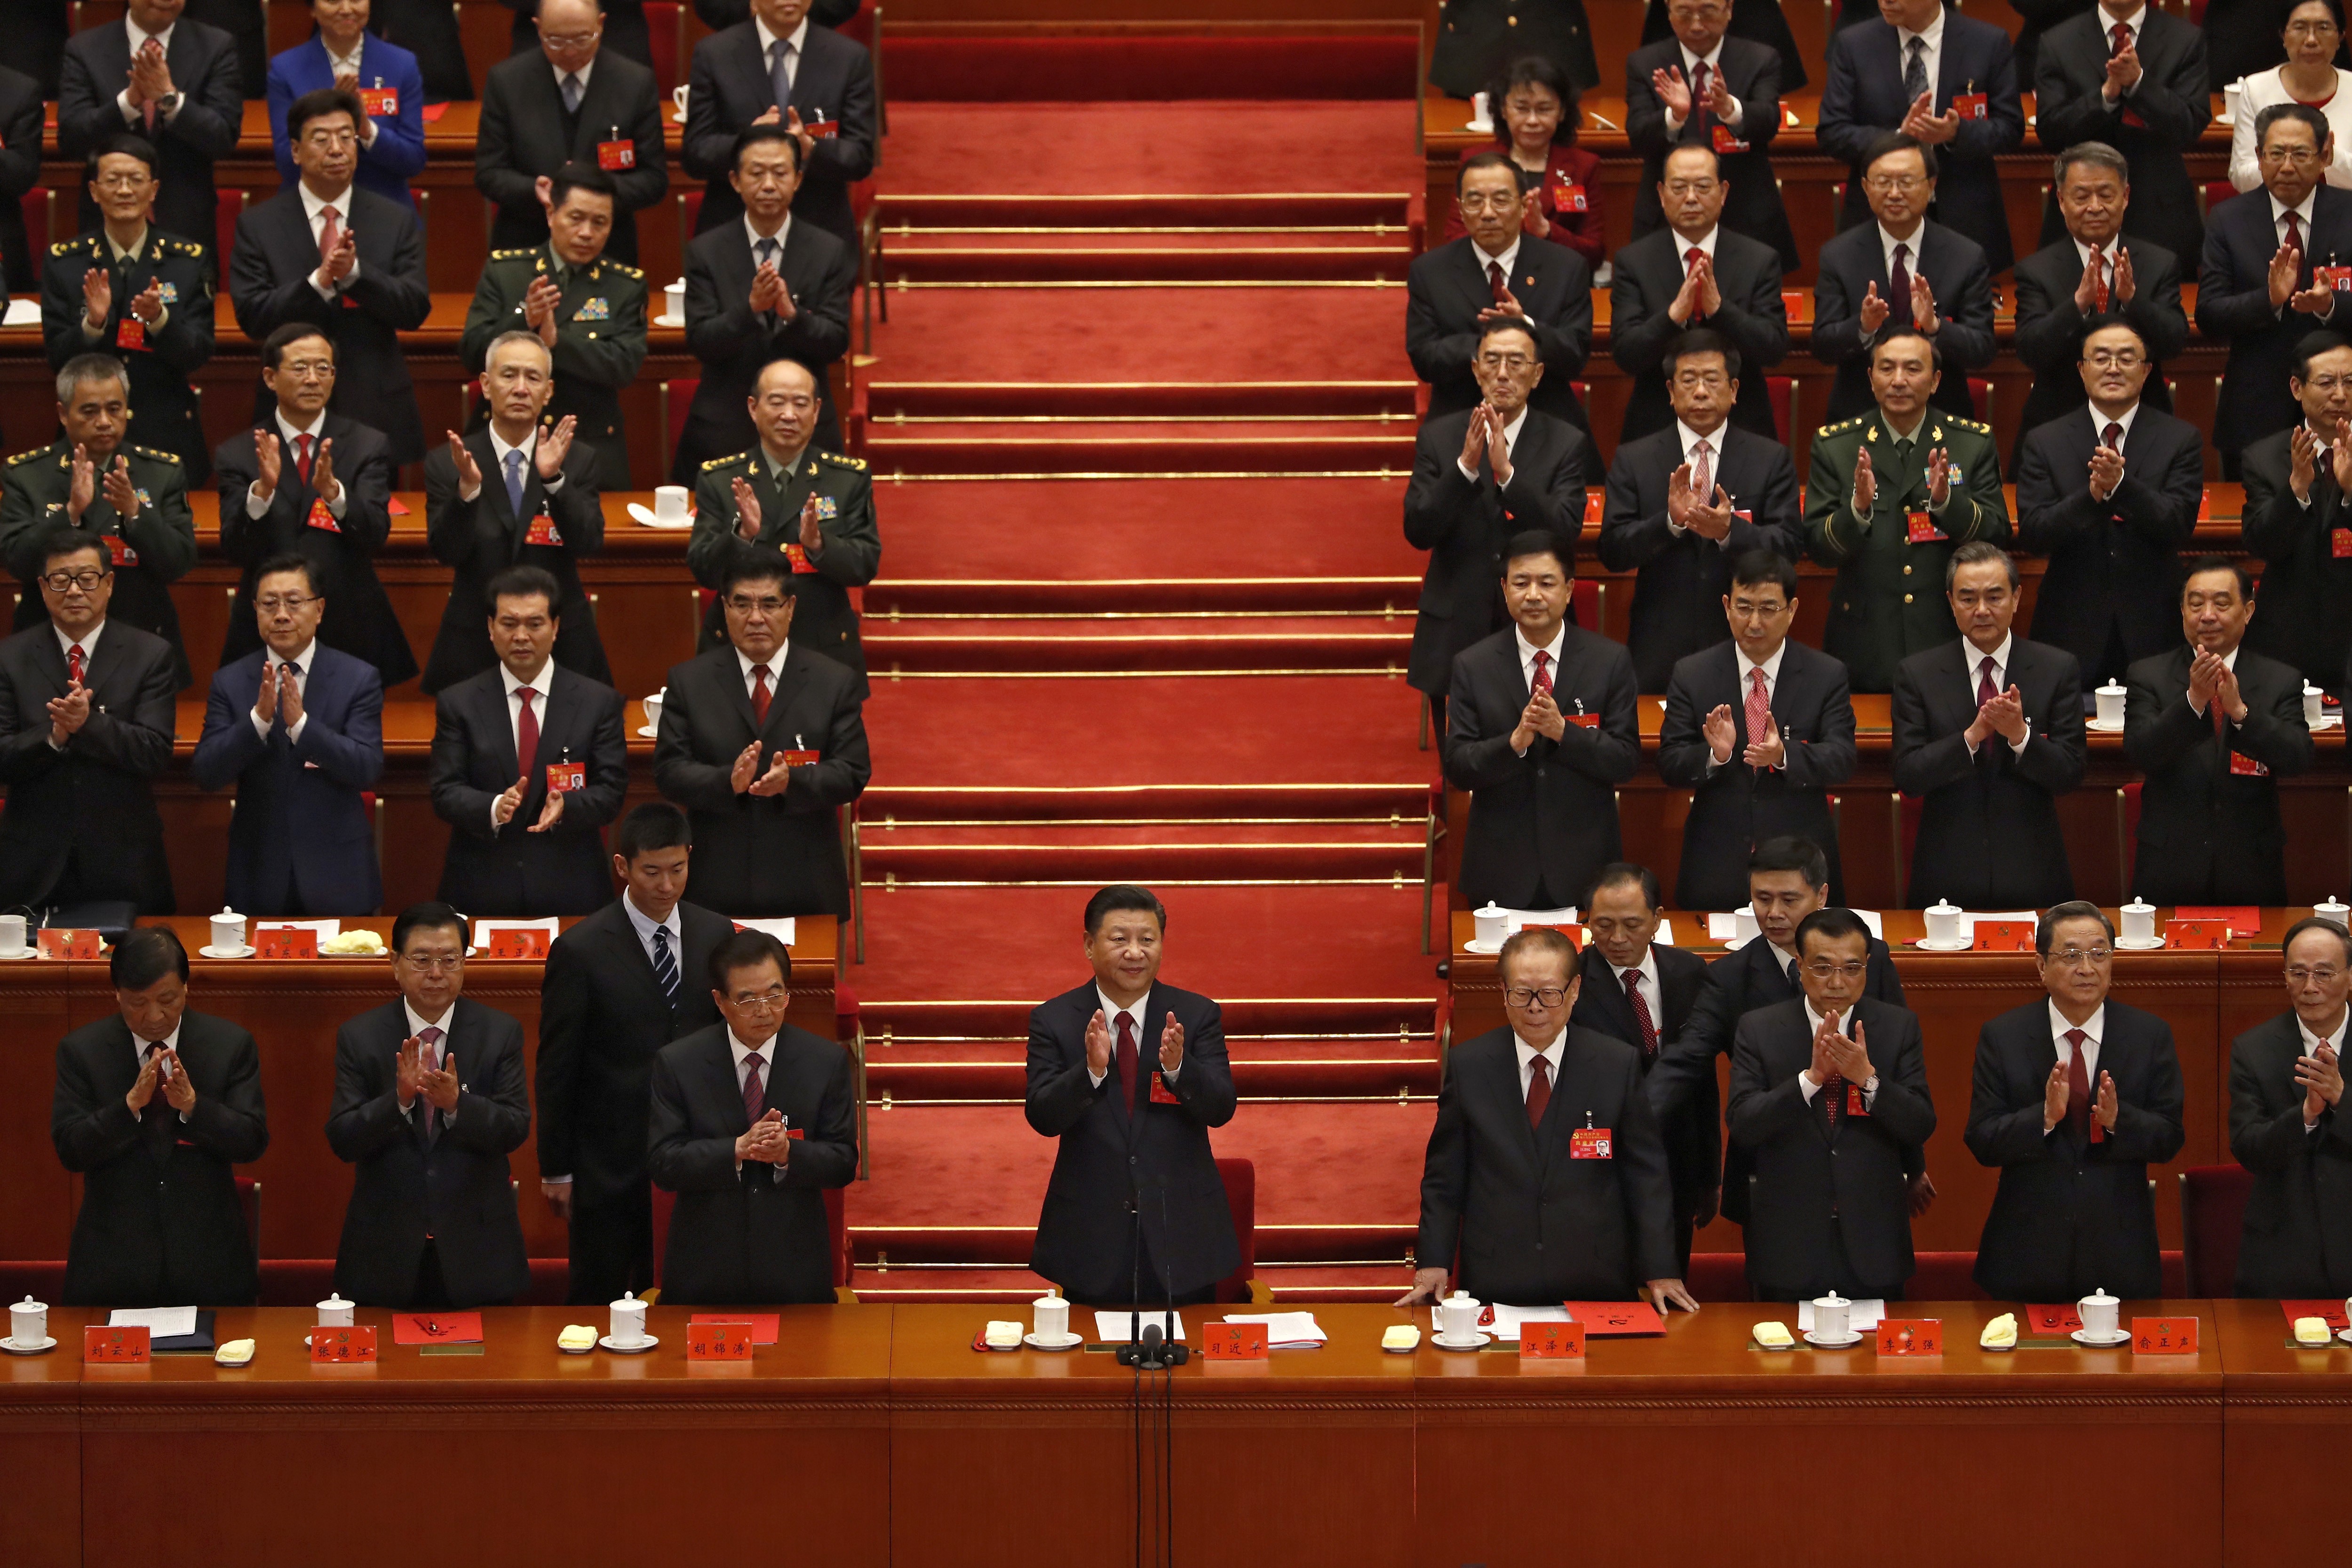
510, 255
1843, 425
28, 456
187, 246
839, 461
623, 268
1971, 425
722, 462
159, 456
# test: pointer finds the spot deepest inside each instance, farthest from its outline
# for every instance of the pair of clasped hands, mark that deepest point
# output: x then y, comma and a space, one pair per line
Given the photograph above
437, 1085
1172, 1045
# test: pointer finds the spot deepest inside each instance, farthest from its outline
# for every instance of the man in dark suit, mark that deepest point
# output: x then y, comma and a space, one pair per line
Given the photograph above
1637, 989
1478, 37
1828, 1097
1869, 271
299, 728
617, 27
2243, 37
2087, 276
1701, 88
2075, 1097
21, 114
2214, 725
186, 73
619, 986
132, 501
2110, 492
2293, 514
86, 721
1519, 1200
343, 259
750, 1119
587, 309
143, 295
247, 22
1684, 503
1694, 272
761, 288
1496, 269
1135, 1210
1757, 21
1988, 734
1759, 729
786, 499
717, 14
317, 485
529, 764
428, 30
1540, 728
777, 69
2133, 78
42, 29
429, 1101
1479, 477
152, 1107
573, 98
763, 744
1941, 76
2287, 1126
514, 493
2255, 291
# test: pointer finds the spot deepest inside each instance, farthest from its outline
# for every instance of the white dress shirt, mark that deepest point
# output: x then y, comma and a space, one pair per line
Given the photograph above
1932, 59
340, 66
2092, 1030
87, 642
774, 664
1147, 1055
499, 450
132, 115
1505, 258
314, 207
1551, 1053
1690, 439
796, 53
2311, 1044
1648, 985
2099, 423
781, 236
2135, 21
288, 458
1746, 667
433, 1057
1550, 650
766, 1057
645, 925
2000, 656
1810, 1086
1888, 241
538, 683
2303, 222
1713, 61
582, 73
1510, 444
170, 1042
301, 678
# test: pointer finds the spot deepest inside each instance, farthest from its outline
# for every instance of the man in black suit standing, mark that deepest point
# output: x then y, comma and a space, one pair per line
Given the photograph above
573, 98
1988, 734
343, 259
1905, 270
2295, 518
1759, 729
247, 22
1757, 21
170, 79
750, 1119
2075, 1097
2087, 276
2255, 291
1684, 503
763, 287
1540, 728
529, 764
1828, 1097
619, 25
2214, 725
2287, 1126
86, 723
2110, 492
776, 69
152, 1107
762, 743
1128, 1075
1637, 989
620, 986
1701, 88
514, 493
21, 114
1496, 269
1943, 77
1694, 272
428, 30
1546, 1178
312, 483
1479, 38
429, 1101
1479, 477
2133, 78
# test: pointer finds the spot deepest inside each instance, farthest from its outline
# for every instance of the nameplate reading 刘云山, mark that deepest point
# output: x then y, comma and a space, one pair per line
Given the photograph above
104, 1346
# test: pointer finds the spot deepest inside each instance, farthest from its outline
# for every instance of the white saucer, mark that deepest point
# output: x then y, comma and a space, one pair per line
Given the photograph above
15, 1347
1815, 1338
617, 1348
247, 950
2102, 1342
2333, 723
20, 953
646, 731
669, 320
2345, 1334
1924, 945
1476, 1341
2138, 945
645, 515
2100, 727
1475, 945
1068, 1342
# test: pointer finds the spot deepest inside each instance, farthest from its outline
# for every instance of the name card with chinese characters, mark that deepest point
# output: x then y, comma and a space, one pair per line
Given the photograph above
1551, 1342
1233, 1342
2164, 1336
718, 1341
346, 1346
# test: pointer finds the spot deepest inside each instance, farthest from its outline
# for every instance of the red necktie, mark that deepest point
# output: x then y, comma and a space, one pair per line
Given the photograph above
1898, 284
1702, 473
431, 1058
302, 457
2112, 437
2294, 230
1760, 706
1127, 1064
74, 661
1543, 675
1986, 692
755, 1095
1502, 290
1642, 1018
1539, 1089
1698, 95
2078, 1087
330, 234
2099, 274
2119, 40
1832, 1094
526, 735
1691, 258
759, 695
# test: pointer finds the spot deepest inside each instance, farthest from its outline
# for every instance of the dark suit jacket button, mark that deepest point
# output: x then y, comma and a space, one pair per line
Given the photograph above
1539, 773
1130, 1159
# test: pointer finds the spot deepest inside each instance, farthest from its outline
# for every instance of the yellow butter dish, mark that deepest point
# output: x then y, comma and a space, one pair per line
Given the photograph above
2311, 1330
2001, 1334
1003, 1335
1774, 1336
1399, 1338
237, 1353
577, 1338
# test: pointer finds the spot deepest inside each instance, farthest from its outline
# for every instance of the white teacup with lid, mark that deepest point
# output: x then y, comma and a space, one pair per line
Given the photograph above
1457, 1317
2139, 920
2100, 1313
334, 1312
2111, 704
28, 1323
1944, 923
1490, 923
629, 1320
228, 930
1831, 1315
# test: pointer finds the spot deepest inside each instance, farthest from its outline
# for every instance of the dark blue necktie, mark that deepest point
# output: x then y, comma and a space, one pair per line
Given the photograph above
665, 965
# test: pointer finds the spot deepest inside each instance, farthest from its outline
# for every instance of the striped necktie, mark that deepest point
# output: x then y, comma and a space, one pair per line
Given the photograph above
665, 965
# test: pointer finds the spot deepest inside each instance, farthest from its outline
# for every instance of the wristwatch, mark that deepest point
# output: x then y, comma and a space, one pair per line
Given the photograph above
169, 104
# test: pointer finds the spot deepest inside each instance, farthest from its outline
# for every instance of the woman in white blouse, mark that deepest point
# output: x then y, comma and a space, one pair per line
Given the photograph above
2314, 31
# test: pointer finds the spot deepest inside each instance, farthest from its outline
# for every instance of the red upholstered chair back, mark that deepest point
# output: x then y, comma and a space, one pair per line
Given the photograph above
1584, 604
1980, 397
664, 20
690, 213
837, 1219
36, 204
228, 207
1906, 808
1240, 1178
2212, 1218
2215, 192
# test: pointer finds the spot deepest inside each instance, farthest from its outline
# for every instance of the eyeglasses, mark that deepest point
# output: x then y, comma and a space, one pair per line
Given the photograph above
2076, 957
1691, 187
1895, 182
2297, 975
122, 182
307, 369
567, 41
2121, 359
66, 582
1823, 969
330, 138
769, 604
423, 965
769, 1003
1506, 361
277, 602
2297, 155
1527, 997
1698, 378
1480, 201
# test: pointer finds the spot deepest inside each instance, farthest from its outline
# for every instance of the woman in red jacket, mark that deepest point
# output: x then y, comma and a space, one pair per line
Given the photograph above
1535, 116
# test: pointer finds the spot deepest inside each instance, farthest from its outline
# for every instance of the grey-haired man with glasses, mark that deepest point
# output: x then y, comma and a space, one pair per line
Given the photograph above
2287, 1126
2295, 513
2076, 1095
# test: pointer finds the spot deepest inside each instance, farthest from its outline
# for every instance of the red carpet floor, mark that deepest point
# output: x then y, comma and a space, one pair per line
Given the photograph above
1210, 148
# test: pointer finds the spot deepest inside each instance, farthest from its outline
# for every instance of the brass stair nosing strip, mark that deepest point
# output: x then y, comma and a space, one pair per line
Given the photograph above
1006, 1064
1000, 822
1221, 1001
878, 443
882, 425
890, 620
902, 1103
1018, 1041
905, 883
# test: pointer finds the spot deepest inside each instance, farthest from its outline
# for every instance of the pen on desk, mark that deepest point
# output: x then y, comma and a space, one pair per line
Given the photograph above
1601, 121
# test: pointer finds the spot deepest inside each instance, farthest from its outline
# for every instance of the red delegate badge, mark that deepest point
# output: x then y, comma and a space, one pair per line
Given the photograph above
2332, 277
377, 102
612, 155
1725, 141
1923, 529
1971, 105
800, 759
802, 564
1568, 196
119, 551
1589, 1143
2245, 767
320, 518
1855, 1104
131, 332
565, 777
542, 531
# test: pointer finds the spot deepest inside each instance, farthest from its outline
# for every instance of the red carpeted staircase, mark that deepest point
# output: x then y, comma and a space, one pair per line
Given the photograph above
1140, 418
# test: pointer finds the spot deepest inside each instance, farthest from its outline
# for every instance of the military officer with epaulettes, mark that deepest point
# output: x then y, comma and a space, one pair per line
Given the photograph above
588, 308
1891, 495
817, 508
145, 296
134, 499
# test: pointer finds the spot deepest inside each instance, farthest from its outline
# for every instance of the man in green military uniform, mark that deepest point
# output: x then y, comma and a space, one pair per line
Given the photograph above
589, 309
815, 507
134, 499
1891, 495
146, 297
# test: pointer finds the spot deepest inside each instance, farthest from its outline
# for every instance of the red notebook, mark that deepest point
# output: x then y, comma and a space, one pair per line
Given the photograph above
2061, 1319
763, 1324
437, 1328
434, 112
1607, 1320
2244, 919
2331, 1311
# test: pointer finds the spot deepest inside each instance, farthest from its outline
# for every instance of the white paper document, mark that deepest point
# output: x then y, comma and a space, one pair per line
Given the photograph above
1862, 1317
1284, 1331
325, 928
24, 312
1514, 919
781, 930
1722, 927
161, 1322
1508, 1320
1112, 1328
